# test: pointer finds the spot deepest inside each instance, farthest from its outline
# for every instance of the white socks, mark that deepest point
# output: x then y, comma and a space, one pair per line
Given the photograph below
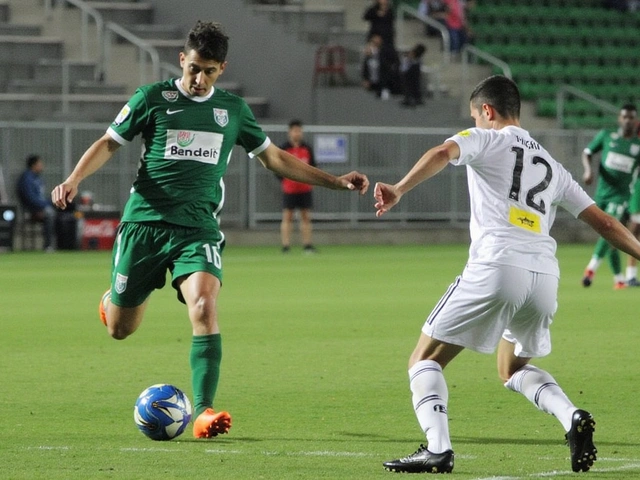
430, 397
632, 272
594, 263
541, 389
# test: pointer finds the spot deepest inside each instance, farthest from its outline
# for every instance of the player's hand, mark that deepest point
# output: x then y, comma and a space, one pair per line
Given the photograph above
587, 177
386, 197
63, 195
355, 181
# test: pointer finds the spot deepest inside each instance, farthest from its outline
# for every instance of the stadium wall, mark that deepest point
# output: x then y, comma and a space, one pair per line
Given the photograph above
263, 58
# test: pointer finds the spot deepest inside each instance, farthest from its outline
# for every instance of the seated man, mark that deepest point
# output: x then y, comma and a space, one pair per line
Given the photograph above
31, 194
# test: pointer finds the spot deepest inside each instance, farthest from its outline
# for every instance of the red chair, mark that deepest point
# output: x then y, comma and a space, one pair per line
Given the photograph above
330, 59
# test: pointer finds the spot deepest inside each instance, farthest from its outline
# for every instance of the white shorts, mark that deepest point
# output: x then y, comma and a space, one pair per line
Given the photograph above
489, 302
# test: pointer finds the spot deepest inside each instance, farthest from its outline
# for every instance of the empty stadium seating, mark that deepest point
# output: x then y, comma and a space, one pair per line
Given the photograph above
548, 43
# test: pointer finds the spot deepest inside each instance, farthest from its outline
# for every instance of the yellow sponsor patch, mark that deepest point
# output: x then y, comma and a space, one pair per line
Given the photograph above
523, 219
464, 133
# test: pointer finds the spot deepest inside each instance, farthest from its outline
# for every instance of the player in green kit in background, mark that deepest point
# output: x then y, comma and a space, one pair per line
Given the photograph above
619, 160
170, 221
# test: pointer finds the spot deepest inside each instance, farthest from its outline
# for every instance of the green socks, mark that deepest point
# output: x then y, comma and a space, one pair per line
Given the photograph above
205, 357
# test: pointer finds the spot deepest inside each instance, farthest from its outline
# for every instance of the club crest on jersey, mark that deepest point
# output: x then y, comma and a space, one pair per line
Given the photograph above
121, 283
221, 116
170, 95
185, 138
634, 150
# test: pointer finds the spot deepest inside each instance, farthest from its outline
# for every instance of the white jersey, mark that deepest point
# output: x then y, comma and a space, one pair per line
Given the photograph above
515, 187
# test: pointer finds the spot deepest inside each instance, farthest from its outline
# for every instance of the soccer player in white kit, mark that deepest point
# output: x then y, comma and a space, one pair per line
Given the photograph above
507, 294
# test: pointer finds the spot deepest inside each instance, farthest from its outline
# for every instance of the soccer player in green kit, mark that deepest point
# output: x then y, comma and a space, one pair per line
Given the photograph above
170, 221
619, 160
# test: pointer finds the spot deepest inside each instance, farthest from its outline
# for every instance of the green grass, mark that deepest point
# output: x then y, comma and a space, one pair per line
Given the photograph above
314, 371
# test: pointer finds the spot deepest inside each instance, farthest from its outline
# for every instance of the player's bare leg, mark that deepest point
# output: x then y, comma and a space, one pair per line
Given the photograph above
120, 321
286, 226
306, 229
200, 291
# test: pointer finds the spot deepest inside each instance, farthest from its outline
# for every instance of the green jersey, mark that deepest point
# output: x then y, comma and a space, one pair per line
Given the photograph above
187, 144
618, 163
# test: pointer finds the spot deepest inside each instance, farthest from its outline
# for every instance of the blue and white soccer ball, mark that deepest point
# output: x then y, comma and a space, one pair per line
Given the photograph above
162, 412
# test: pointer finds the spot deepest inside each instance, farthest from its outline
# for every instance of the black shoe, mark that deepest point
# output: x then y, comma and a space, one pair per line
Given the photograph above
309, 249
580, 440
633, 282
285, 249
422, 461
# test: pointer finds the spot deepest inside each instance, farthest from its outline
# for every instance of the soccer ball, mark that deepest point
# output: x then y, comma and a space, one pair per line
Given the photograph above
162, 412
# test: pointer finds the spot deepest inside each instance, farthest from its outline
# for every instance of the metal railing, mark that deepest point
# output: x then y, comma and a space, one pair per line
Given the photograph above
86, 12
253, 194
112, 29
470, 52
405, 10
567, 90
105, 31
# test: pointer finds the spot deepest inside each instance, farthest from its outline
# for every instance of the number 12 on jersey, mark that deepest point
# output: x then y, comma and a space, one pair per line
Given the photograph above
514, 192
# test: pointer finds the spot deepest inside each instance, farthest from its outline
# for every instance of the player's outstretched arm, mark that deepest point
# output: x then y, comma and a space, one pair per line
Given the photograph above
430, 164
286, 165
95, 156
587, 176
611, 229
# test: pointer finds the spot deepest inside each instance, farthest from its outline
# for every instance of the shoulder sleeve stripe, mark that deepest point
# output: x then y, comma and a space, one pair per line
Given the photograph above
113, 134
257, 151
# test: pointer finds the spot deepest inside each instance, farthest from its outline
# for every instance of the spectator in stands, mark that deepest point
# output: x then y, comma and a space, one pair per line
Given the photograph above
411, 75
435, 9
455, 20
31, 193
297, 195
381, 20
380, 68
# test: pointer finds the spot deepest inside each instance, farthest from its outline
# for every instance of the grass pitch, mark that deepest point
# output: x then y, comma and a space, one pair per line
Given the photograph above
314, 371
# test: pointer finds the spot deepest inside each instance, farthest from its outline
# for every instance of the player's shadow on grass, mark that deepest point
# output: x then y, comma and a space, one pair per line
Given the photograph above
534, 441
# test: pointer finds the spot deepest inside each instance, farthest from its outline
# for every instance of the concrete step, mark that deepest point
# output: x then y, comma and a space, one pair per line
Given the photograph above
50, 69
356, 106
317, 19
5, 11
125, 13
34, 106
52, 87
157, 31
24, 49
11, 29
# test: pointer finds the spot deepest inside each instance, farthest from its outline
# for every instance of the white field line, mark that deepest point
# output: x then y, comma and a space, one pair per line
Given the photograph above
621, 468
312, 453
631, 463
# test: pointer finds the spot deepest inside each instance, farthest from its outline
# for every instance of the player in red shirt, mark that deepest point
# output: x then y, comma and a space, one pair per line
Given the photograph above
297, 195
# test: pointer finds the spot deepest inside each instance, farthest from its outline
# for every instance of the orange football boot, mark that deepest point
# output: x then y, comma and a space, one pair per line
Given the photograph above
210, 424
101, 308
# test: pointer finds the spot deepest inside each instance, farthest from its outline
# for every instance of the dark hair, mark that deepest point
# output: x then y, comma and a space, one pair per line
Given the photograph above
419, 50
629, 107
32, 160
208, 40
295, 123
501, 93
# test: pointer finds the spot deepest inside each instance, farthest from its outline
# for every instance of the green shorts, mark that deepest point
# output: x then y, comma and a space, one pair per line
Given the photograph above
617, 210
143, 252
634, 201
